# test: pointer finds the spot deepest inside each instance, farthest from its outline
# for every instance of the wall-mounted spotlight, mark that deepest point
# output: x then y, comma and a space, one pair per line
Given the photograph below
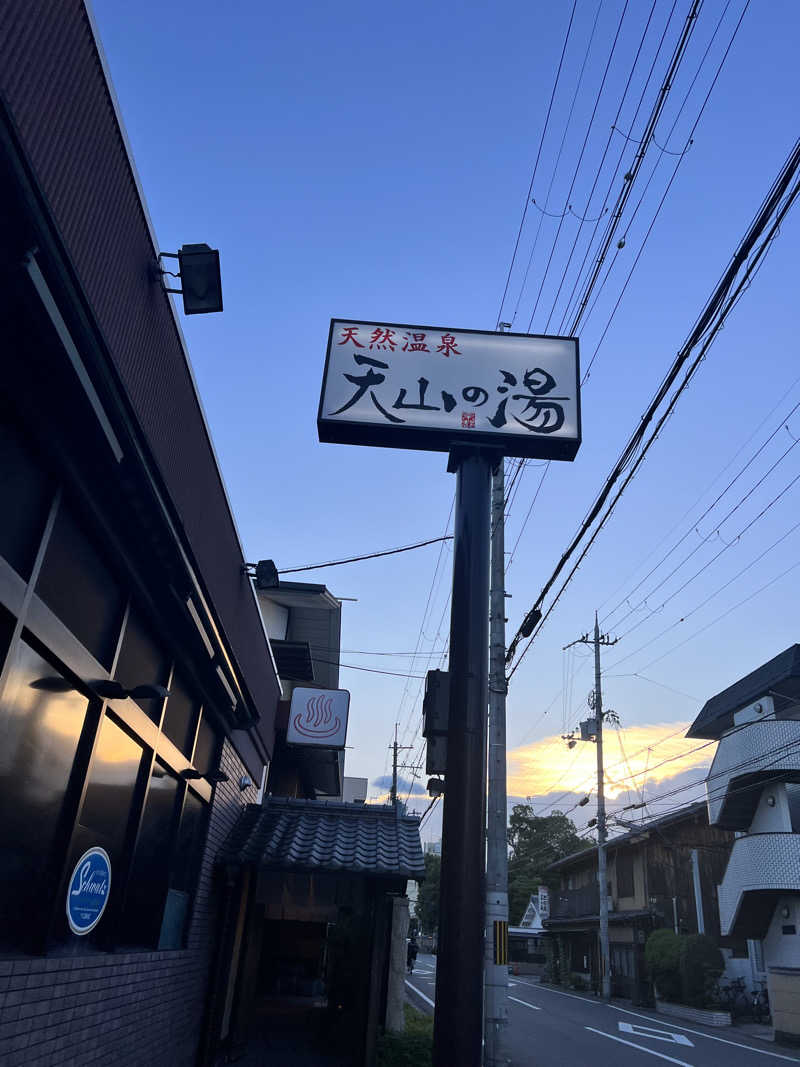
245, 782
198, 270
435, 787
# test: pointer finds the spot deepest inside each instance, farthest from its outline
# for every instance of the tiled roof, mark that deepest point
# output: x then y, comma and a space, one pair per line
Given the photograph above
691, 811
313, 835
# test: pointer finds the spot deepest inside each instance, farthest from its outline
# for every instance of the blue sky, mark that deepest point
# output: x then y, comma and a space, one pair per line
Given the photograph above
371, 161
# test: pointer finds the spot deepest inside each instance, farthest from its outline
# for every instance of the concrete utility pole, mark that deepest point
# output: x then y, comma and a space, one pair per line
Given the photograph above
395, 749
596, 733
496, 981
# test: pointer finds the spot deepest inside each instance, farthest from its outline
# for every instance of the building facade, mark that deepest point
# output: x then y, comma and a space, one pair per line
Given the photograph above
138, 692
662, 873
754, 789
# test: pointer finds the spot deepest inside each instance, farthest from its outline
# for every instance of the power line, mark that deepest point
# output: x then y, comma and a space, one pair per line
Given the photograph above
660, 204
689, 510
580, 160
357, 559
632, 173
710, 562
558, 160
599, 171
628, 174
536, 164
777, 203
707, 511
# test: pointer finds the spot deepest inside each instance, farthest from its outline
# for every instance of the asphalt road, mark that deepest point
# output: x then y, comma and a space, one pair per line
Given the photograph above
554, 1027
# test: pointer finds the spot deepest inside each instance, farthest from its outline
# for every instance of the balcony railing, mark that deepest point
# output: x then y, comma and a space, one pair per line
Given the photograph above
575, 903
766, 749
759, 863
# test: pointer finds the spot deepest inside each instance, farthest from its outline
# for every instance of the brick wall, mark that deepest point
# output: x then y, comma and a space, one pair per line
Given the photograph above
132, 1008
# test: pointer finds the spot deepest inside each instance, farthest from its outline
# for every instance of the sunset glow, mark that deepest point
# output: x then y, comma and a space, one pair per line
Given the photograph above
548, 766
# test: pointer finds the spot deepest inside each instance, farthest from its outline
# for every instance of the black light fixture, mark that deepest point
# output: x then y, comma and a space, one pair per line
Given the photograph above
435, 787
201, 283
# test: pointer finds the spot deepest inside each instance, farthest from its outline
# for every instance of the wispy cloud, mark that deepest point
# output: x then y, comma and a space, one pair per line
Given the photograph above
636, 758
404, 785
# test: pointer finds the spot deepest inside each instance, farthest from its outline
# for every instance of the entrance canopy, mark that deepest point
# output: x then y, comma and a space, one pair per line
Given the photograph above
286, 834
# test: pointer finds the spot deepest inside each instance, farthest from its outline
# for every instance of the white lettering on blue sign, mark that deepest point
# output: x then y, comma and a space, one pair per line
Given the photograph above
88, 891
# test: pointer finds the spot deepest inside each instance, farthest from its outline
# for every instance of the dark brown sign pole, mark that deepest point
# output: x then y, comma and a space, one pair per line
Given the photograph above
458, 1019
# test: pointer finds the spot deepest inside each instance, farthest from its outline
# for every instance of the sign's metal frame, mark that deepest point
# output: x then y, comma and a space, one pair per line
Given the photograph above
533, 446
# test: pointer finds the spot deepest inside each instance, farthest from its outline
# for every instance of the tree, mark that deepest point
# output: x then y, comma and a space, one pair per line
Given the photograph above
427, 907
535, 842
702, 963
662, 954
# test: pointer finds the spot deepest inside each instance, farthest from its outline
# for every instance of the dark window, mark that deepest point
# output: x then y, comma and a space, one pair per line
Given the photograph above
149, 878
76, 584
110, 787
625, 886
185, 869
206, 747
41, 719
26, 493
180, 717
142, 662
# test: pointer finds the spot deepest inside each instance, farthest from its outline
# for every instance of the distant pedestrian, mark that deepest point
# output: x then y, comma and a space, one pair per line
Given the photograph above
411, 956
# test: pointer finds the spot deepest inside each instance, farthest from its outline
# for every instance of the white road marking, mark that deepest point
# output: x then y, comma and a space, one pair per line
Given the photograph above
642, 1048
657, 1035
711, 1037
561, 993
527, 1005
420, 994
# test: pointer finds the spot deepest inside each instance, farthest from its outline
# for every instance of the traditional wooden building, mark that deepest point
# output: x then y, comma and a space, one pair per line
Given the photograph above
662, 873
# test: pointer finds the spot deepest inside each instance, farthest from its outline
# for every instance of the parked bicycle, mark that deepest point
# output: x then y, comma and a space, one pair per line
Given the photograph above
732, 997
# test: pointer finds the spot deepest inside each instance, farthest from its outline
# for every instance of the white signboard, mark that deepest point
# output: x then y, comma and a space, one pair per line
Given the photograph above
544, 902
431, 387
318, 717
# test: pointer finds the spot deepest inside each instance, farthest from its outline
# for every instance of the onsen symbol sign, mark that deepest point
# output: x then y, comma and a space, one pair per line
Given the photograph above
318, 717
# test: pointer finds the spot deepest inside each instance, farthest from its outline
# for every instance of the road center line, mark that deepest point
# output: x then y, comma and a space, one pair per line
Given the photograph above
642, 1048
711, 1037
420, 994
535, 1007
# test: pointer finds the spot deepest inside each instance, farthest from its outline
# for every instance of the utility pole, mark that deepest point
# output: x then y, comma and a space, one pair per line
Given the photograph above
592, 729
496, 980
395, 749
458, 1018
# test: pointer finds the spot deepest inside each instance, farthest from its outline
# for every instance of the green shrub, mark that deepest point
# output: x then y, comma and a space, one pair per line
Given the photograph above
662, 954
410, 1049
701, 966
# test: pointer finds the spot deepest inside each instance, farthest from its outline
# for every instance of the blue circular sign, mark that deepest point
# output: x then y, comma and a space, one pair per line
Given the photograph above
88, 889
